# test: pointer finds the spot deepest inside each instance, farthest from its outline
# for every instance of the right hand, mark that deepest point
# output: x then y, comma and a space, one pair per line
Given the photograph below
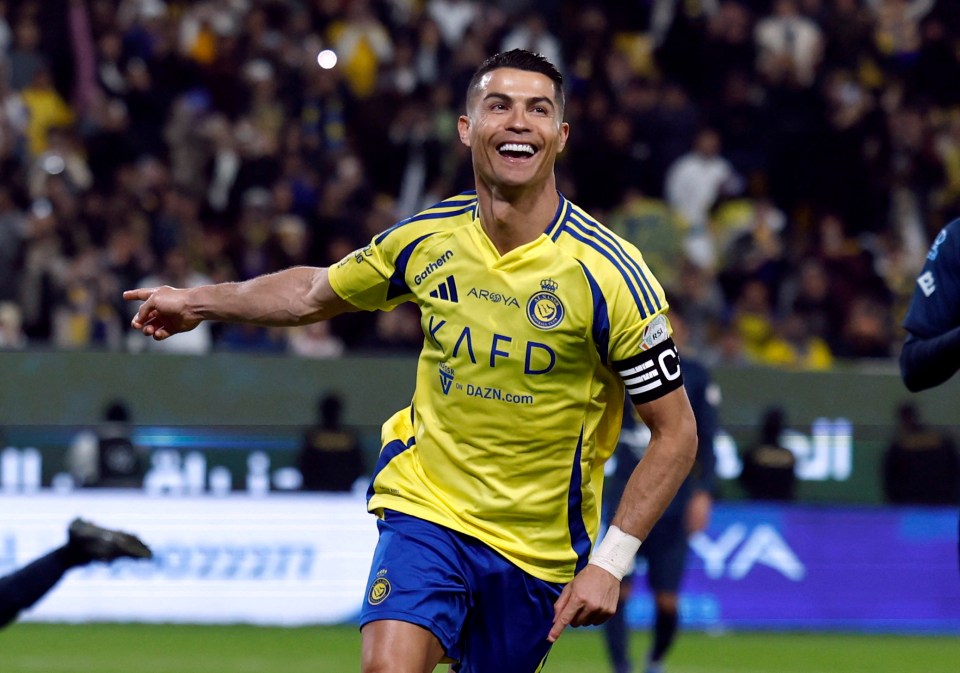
164, 311
590, 599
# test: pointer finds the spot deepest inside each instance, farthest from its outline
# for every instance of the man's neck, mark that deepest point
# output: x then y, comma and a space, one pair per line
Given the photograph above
514, 218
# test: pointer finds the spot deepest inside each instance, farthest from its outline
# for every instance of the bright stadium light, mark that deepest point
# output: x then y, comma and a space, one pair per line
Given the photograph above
326, 59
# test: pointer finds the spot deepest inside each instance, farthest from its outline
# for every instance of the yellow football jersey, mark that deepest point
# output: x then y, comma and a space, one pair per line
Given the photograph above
519, 387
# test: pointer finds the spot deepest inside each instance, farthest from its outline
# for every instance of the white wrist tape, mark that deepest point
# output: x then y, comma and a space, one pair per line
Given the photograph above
616, 553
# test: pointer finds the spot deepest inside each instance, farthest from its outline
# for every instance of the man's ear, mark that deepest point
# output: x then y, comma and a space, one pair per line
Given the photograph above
564, 135
463, 129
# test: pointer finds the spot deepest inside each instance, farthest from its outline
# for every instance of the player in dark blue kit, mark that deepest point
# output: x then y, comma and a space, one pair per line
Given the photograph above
87, 542
931, 353
665, 550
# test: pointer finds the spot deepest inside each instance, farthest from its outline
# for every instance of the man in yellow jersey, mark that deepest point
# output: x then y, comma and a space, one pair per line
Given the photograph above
535, 318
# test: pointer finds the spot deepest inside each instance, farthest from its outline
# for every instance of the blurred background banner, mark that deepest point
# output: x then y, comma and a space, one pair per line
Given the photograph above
840, 423
785, 567
294, 559
284, 560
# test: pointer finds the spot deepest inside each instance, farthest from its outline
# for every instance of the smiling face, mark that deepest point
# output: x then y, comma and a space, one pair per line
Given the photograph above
514, 129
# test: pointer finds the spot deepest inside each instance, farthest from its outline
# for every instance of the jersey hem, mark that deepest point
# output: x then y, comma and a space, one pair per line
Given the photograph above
383, 501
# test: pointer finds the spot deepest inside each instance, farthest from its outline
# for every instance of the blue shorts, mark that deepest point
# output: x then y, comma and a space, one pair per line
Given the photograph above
489, 615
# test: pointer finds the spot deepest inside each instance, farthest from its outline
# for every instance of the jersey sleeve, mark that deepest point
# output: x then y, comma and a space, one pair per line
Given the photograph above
935, 306
371, 278
641, 348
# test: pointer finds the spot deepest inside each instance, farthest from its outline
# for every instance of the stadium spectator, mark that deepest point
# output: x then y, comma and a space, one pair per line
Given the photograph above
769, 468
814, 300
25, 58
704, 306
753, 317
86, 543
866, 331
789, 45
11, 332
657, 229
453, 18
794, 347
897, 29
847, 27
458, 527
364, 45
315, 341
693, 184
532, 33
87, 313
921, 465
13, 236
748, 234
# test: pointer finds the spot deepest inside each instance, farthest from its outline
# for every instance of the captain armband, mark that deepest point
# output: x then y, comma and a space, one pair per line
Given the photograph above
652, 373
616, 553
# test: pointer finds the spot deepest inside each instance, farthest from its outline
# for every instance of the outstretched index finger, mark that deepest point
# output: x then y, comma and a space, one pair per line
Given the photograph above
140, 294
561, 619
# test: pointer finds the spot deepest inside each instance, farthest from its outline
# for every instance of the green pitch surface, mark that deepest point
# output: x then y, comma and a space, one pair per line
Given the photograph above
133, 648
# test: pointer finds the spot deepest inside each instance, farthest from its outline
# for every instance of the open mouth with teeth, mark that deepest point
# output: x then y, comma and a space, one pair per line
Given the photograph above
516, 150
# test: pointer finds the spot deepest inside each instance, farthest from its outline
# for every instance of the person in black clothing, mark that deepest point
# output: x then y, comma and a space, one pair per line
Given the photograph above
330, 457
921, 466
665, 549
769, 467
107, 456
86, 543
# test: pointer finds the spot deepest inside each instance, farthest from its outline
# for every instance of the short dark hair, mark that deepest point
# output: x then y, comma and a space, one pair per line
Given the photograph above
520, 59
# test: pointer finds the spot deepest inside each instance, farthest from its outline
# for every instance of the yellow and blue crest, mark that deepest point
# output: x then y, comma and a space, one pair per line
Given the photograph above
379, 591
544, 308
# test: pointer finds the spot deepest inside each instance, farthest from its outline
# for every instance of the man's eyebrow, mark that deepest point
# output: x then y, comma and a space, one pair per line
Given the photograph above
534, 100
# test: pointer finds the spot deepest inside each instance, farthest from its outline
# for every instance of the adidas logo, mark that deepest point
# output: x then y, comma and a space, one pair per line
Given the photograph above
447, 291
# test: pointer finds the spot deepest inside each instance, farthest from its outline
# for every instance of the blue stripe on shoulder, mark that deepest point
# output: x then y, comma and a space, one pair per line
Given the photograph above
390, 451
601, 319
641, 304
579, 538
398, 284
595, 230
459, 205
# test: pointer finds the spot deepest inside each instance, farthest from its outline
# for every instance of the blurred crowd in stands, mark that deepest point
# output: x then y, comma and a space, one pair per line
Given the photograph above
783, 164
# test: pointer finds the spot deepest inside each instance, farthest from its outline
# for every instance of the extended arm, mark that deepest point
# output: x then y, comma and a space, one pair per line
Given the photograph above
591, 598
295, 296
925, 363
666, 463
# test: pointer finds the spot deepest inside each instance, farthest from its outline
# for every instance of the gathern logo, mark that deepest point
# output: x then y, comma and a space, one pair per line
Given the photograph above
379, 591
544, 308
433, 266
